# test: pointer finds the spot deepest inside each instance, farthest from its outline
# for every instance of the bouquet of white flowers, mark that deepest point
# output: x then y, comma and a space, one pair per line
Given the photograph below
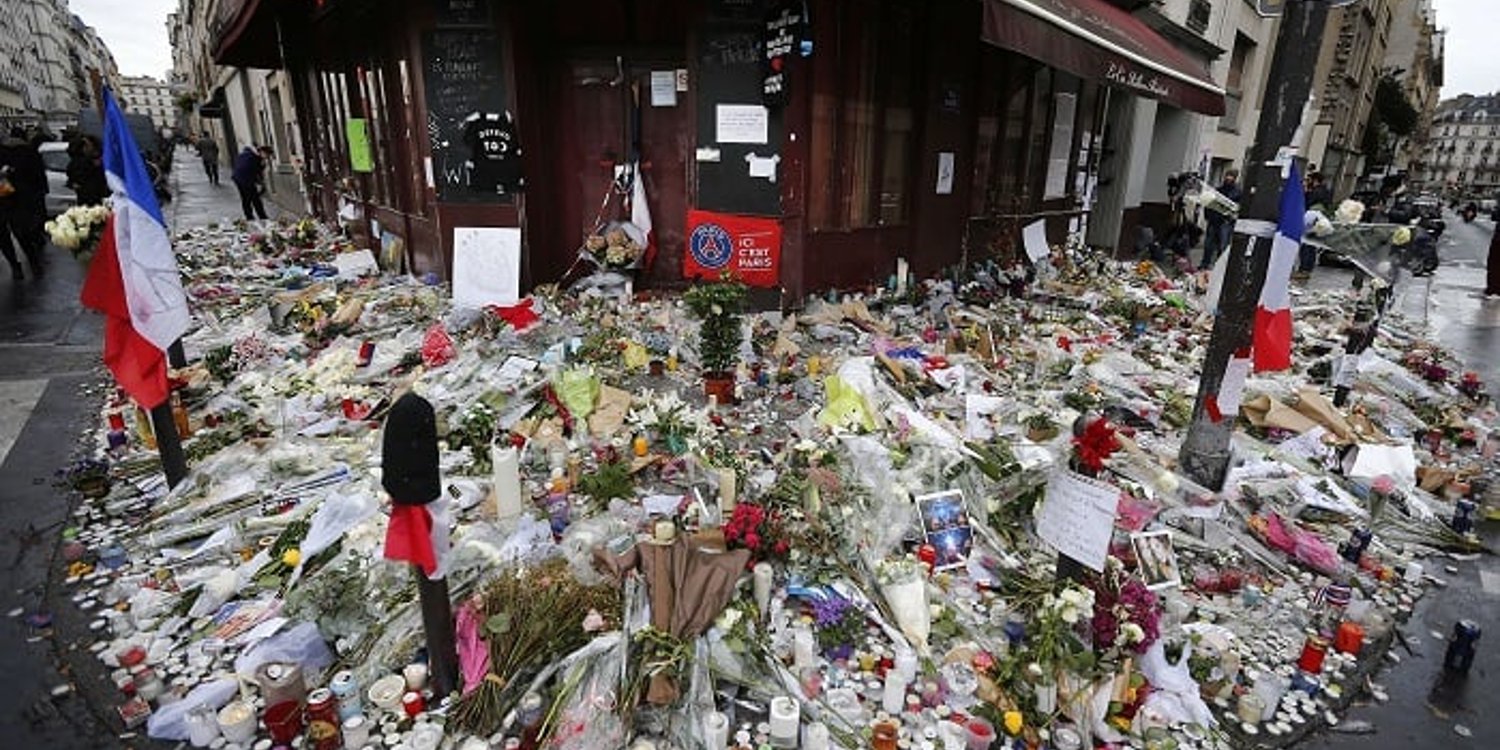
79, 229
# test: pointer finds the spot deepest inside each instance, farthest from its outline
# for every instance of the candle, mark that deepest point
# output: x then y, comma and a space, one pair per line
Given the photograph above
762, 576
727, 491
815, 737
906, 664
416, 676
506, 481
237, 722
356, 732
664, 531
893, 698
346, 690
1250, 708
640, 446
901, 272
716, 730
814, 366
202, 726
804, 654
412, 703
786, 716
1313, 651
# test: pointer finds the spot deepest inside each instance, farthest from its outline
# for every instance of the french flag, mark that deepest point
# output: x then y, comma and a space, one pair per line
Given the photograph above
1273, 316
133, 278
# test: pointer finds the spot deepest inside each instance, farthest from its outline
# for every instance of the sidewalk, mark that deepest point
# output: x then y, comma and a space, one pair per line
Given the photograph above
195, 202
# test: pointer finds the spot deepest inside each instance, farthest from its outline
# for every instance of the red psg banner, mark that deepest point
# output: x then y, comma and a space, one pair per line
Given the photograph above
748, 247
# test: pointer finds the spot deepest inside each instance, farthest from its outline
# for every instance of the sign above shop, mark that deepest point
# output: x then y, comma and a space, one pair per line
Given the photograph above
746, 247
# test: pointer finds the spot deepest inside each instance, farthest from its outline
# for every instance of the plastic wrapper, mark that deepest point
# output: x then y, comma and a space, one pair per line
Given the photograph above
587, 718
909, 605
169, 722
300, 644
1175, 699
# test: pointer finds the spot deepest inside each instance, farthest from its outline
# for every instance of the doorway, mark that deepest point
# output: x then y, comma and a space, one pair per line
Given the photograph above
606, 119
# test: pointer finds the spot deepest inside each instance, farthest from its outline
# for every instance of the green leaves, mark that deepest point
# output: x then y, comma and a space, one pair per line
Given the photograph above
498, 624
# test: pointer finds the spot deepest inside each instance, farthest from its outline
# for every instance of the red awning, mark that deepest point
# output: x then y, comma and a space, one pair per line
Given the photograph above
1101, 42
245, 35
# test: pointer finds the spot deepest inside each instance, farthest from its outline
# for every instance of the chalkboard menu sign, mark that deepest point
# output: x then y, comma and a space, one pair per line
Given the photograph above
739, 138
461, 12
462, 77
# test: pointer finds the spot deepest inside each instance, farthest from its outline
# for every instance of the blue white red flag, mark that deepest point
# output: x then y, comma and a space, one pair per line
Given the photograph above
133, 278
1273, 316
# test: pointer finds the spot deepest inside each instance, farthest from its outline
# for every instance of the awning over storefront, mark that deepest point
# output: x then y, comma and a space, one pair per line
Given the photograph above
1099, 41
244, 33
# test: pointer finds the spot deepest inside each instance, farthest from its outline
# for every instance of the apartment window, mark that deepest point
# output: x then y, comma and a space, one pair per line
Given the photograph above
1239, 59
864, 132
1198, 15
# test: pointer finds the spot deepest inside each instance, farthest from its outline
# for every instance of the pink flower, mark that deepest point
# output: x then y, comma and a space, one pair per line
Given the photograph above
593, 622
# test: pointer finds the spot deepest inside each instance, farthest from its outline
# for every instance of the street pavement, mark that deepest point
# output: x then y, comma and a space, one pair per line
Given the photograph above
50, 387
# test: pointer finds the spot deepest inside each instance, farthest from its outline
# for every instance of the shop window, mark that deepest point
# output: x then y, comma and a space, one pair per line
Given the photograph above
864, 123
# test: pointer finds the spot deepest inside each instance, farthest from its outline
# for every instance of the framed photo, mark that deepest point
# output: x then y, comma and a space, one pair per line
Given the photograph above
945, 525
1156, 560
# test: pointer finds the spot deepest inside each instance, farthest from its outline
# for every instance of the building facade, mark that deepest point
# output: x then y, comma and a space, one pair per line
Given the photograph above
1414, 56
1354, 50
1462, 156
856, 132
91, 64
148, 96
36, 73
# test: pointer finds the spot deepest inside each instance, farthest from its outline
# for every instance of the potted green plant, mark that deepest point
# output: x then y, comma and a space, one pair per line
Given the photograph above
718, 306
90, 476
1040, 427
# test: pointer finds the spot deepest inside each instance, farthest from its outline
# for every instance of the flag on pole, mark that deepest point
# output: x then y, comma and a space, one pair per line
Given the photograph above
133, 278
1273, 316
640, 214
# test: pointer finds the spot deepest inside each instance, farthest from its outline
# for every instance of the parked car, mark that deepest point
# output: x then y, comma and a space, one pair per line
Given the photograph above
60, 197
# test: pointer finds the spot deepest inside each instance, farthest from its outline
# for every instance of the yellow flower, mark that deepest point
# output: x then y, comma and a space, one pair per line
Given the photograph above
291, 558
1012, 722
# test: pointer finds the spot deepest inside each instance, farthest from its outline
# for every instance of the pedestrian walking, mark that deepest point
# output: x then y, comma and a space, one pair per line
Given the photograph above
1220, 225
23, 191
1492, 265
86, 170
208, 151
249, 170
1317, 198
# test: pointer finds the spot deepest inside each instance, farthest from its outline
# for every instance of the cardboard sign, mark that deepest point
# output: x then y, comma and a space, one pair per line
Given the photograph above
361, 159
747, 247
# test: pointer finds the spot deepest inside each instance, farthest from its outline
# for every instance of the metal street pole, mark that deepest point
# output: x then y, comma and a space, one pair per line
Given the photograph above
1205, 450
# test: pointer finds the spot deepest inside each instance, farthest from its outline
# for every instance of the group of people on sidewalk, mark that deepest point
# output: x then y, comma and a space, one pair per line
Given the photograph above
23, 206
248, 173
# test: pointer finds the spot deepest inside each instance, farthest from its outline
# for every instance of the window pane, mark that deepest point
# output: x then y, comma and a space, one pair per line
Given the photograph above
859, 125
897, 71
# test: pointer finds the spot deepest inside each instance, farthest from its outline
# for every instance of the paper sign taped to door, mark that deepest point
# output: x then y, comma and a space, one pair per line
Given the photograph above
1034, 237
486, 266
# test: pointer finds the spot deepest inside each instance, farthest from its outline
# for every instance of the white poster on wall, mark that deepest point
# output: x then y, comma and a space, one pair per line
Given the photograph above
663, 88
741, 123
1062, 145
486, 266
945, 173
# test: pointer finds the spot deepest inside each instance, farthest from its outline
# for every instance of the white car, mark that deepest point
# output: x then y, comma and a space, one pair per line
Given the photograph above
60, 197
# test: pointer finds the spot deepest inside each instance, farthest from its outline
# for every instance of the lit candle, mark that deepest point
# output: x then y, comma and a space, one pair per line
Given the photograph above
665, 531
640, 446
237, 722
416, 676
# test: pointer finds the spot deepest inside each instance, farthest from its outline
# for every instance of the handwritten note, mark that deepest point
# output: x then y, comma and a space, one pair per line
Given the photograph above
1078, 517
663, 88
1232, 388
741, 123
486, 266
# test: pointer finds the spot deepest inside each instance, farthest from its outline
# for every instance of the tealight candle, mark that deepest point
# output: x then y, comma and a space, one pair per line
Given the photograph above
786, 717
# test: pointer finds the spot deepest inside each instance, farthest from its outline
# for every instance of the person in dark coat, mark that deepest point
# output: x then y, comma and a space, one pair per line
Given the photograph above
1318, 197
208, 151
1492, 274
249, 169
23, 208
86, 170
1220, 225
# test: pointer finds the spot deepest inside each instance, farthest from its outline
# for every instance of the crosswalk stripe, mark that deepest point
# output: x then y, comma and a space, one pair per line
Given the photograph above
17, 400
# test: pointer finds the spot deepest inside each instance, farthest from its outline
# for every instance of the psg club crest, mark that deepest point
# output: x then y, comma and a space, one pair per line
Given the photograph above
711, 246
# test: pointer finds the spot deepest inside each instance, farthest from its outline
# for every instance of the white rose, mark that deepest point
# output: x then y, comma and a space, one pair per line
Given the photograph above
1132, 633
1070, 615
